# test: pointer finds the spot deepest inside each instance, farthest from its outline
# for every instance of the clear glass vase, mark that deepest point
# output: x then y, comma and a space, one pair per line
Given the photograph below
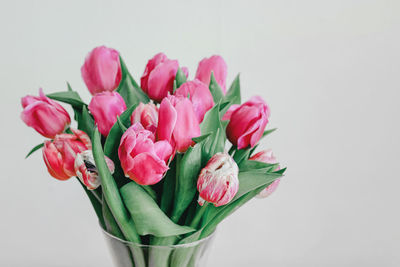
128, 254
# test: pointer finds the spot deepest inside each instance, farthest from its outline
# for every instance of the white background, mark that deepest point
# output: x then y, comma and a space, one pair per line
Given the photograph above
328, 69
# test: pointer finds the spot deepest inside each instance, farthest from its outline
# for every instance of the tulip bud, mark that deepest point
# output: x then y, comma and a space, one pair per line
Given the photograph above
142, 159
218, 181
200, 96
268, 157
158, 77
216, 65
44, 115
105, 107
147, 115
86, 169
177, 122
59, 154
102, 70
247, 122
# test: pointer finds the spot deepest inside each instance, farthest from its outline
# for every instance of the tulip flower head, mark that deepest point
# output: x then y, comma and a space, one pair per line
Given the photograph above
102, 70
215, 64
200, 96
247, 122
158, 77
268, 157
147, 115
44, 115
86, 169
142, 159
59, 154
177, 122
218, 181
105, 107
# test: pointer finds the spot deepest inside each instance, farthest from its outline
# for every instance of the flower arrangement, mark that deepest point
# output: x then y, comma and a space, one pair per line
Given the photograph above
152, 158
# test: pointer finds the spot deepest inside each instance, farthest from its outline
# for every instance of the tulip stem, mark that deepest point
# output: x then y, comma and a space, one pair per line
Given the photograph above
199, 215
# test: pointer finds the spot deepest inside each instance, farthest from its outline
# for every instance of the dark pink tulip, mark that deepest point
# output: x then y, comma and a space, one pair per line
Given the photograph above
44, 115
200, 96
215, 64
158, 77
86, 170
247, 122
105, 107
59, 154
177, 122
218, 181
268, 157
147, 115
102, 70
142, 159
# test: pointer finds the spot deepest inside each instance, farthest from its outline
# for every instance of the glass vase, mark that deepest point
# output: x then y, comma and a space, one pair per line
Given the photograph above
128, 254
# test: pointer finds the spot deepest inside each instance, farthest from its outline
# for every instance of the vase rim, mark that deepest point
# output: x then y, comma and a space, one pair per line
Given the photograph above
185, 245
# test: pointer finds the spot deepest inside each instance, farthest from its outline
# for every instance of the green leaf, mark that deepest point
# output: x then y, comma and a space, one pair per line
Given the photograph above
215, 89
253, 165
167, 196
114, 136
148, 217
85, 120
268, 132
129, 89
180, 78
212, 124
188, 169
69, 97
201, 138
69, 87
111, 192
248, 181
39, 146
281, 171
241, 154
233, 94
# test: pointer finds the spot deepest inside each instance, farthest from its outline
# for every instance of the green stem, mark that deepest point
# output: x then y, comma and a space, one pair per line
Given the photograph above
232, 149
175, 216
199, 215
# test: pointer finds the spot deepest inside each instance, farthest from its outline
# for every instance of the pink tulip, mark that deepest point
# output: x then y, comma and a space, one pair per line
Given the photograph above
102, 70
268, 157
247, 122
215, 64
86, 169
158, 77
59, 154
142, 159
147, 115
200, 96
105, 107
44, 115
218, 181
177, 122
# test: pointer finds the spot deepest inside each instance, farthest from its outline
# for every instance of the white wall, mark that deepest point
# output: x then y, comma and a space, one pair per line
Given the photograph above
328, 69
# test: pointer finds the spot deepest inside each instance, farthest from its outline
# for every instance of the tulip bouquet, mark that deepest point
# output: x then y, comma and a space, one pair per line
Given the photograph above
154, 159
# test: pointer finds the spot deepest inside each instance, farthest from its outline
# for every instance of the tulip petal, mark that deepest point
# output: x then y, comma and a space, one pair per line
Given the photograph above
147, 169
167, 117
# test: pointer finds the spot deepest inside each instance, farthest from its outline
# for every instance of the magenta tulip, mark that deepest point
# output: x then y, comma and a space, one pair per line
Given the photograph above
44, 115
268, 157
59, 155
102, 70
158, 77
200, 96
218, 181
247, 122
147, 115
105, 107
215, 64
142, 159
86, 170
177, 122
